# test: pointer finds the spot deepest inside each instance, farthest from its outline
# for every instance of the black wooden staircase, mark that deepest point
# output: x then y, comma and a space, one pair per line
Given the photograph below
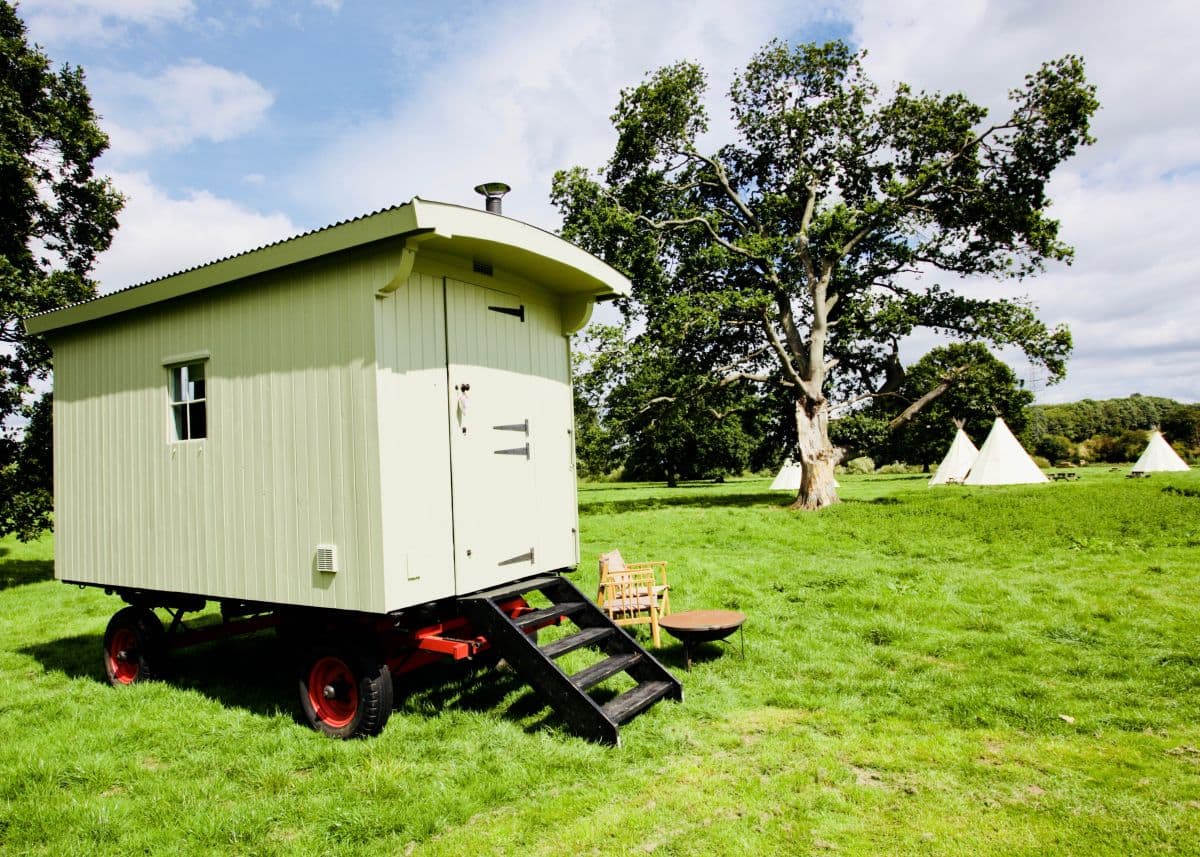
568, 693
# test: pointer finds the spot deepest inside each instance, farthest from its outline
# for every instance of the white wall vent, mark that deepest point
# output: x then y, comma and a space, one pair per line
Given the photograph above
327, 559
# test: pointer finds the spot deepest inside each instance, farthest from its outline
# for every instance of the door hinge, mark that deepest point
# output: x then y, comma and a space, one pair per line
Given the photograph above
525, 557
514, 427
518, 311
518, 450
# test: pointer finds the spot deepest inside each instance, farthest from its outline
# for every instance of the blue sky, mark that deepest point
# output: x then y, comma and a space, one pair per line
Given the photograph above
238, 123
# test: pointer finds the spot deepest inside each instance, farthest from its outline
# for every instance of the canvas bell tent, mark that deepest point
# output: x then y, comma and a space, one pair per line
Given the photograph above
1003, 461
958, 460
788, 477
1159, 457
327, 431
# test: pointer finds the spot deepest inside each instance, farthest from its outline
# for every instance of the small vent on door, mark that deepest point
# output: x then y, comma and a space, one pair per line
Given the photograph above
327, 559
481, 267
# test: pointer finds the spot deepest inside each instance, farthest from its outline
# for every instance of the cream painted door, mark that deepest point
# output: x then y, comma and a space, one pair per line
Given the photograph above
495, 421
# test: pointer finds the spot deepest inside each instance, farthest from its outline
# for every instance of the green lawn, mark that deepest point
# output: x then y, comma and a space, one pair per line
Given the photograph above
987, 671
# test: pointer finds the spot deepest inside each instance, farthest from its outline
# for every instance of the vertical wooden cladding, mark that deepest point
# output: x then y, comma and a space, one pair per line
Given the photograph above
291, 457
509, 506
453, 510
414, 446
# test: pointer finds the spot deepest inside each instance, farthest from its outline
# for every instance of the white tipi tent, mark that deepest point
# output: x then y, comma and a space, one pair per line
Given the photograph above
1159, 456
788, 478
958, 460
1003, 461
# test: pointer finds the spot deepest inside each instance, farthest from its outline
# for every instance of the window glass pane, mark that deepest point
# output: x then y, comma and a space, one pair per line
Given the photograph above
179, 421
187, 391
198, 420
195, 376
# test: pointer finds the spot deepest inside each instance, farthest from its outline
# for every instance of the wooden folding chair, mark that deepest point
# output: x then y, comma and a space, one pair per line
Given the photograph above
635, 593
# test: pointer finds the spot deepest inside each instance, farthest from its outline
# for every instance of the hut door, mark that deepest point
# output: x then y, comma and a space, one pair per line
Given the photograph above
492, 448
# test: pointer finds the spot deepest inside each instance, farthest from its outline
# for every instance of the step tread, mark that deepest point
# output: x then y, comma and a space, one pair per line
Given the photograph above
599, 671
566, 608
633, 702
586, 637
519, 587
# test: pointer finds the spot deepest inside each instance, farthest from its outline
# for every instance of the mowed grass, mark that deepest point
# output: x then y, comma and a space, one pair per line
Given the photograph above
951, 671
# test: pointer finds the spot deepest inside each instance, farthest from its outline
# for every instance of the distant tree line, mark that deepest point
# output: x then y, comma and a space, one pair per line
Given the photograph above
637, 417
1112, 430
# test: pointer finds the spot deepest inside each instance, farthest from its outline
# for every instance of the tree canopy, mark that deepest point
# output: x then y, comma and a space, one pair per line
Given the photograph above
979, 388
655, 426
56, 215
792, 255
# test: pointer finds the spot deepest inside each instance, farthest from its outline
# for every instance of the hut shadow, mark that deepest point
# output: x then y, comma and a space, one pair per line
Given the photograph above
477, 690
76, 657
257, 673
251, 673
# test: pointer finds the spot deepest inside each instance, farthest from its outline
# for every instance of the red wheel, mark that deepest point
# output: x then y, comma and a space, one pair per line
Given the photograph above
134, 647
122, 657
332, 691
345, 694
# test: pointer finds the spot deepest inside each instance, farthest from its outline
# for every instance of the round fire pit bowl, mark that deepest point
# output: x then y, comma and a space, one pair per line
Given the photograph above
693, 627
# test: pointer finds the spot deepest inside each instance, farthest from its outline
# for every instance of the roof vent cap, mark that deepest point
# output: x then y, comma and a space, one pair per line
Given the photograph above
492, 193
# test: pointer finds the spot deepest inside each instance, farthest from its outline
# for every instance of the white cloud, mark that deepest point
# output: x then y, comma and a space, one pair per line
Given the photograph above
514, 91
161, 234
524, 91
1126, 204
331, 5
98, 20
189, 101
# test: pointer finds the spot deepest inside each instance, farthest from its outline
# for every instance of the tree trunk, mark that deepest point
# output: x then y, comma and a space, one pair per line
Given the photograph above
817, 456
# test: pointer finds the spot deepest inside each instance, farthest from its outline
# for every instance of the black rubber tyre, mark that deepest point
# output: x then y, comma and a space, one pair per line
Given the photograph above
135, 647
345, 693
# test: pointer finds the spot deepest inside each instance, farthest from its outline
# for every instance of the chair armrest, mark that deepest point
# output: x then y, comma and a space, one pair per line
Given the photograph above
656, 565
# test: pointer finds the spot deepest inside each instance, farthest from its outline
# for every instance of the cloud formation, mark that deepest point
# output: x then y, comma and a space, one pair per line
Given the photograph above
99, 20
161, 234
1126, 204
532, 94
184, 103
514, 91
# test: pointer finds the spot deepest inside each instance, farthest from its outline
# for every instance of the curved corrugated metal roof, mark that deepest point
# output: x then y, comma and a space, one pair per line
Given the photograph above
220, 259
561, 265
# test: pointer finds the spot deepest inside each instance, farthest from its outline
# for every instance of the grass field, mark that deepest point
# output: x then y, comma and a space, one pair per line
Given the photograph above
1003, 671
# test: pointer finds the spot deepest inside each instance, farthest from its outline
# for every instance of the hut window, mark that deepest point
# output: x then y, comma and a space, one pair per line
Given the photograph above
189, 417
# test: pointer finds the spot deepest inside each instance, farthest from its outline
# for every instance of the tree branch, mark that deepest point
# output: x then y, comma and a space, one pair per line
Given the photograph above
948, 381
691, 221
788, 369
723, 179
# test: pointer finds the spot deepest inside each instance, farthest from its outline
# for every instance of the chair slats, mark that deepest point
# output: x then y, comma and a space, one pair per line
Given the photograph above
634, 593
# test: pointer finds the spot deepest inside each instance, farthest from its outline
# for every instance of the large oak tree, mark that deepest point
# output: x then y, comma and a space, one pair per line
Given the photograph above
56, 215
790, 256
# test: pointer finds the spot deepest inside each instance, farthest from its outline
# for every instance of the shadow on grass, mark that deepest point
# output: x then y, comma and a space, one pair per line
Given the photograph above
712, 501
252, 672
257, 673
22, 572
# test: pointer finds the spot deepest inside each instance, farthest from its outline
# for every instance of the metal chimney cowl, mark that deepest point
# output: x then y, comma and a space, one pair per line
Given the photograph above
493, 193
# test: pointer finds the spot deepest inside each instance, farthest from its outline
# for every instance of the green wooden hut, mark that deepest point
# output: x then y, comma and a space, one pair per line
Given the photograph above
366, 417
361, 436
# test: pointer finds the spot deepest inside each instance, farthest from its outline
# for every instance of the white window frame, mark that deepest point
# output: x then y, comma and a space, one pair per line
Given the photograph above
181, 398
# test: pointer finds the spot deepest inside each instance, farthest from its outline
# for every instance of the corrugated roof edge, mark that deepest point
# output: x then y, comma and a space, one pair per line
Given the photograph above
221, 259
107, 296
